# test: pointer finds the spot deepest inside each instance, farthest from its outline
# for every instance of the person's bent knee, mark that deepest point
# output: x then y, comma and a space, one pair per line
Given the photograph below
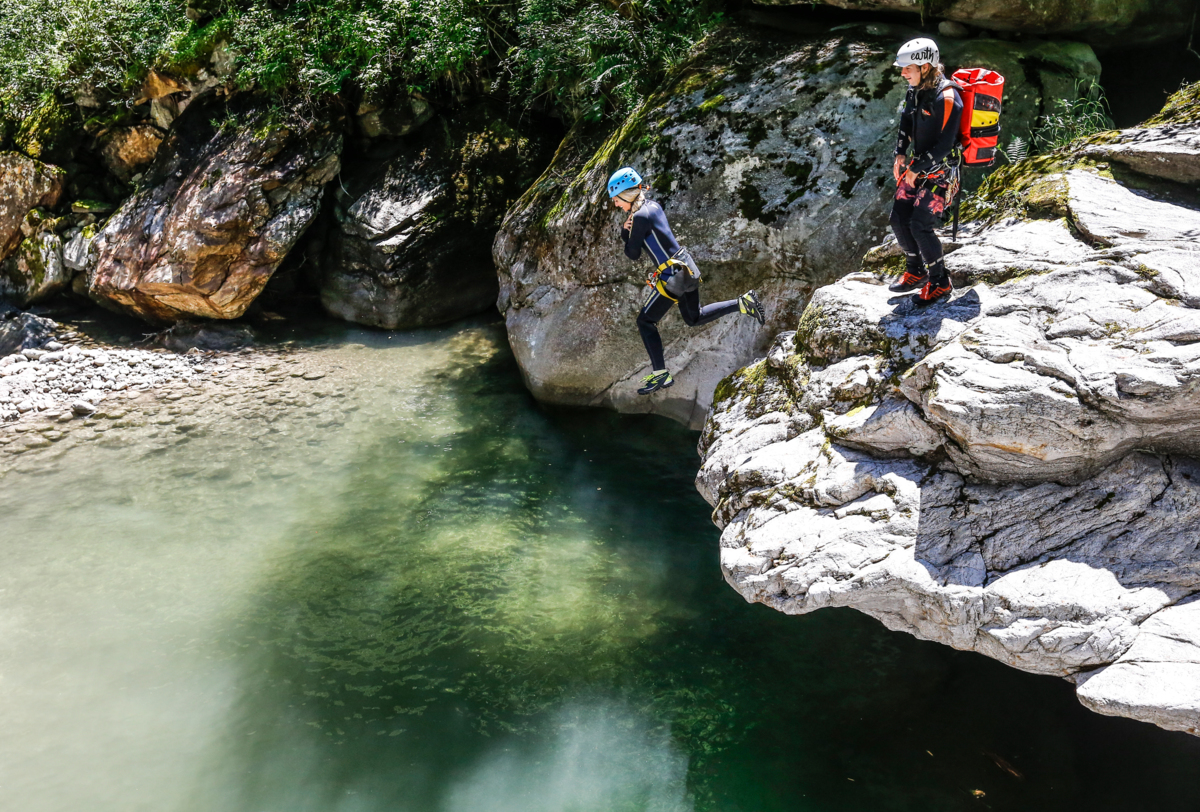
924, 222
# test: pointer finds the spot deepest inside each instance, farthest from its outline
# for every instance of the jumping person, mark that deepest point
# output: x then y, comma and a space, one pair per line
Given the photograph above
928, 181
675, 278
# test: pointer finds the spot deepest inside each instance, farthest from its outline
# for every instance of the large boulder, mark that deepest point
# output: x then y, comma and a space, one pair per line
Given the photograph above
415, 218
1012, 472
226, 198
25, 184
1100, 22
771, 153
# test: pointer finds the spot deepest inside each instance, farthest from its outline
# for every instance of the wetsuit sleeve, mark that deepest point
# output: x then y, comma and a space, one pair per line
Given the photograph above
636, 236
949, 108
905, 136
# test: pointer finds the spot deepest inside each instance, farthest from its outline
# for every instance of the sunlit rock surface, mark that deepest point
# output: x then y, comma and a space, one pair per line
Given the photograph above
1013, 472
771, 153
25, 184
227, 197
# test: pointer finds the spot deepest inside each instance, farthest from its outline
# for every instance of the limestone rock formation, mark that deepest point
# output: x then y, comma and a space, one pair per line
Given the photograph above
219, 209
771, 153
1098, 21
415, 218
1012, 472
25, 184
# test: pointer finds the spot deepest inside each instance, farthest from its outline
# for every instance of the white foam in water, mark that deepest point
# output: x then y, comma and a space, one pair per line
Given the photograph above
604, 758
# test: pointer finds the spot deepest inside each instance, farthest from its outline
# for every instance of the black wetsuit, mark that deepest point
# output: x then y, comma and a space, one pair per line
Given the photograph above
929, 124
650, 229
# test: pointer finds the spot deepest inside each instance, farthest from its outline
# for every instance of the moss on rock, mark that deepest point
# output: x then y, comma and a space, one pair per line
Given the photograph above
1183, 107
49, 133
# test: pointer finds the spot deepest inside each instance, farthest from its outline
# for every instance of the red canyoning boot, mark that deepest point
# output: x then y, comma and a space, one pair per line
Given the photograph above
932, 293
908, 282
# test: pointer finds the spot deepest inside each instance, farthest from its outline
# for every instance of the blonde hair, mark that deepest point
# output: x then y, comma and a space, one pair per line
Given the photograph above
636, 196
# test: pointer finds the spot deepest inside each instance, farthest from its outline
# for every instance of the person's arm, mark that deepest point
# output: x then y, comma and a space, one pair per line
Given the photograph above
635, 236
904, 138
949, 108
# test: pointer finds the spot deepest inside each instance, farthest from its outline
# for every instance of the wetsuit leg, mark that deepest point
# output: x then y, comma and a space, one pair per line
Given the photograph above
694, 315
655, 308
926, 216
903, 208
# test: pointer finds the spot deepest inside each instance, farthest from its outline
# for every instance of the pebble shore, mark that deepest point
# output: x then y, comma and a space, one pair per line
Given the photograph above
68, 380
73, 389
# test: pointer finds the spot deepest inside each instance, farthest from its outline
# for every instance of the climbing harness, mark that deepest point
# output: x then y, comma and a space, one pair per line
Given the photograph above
683, 279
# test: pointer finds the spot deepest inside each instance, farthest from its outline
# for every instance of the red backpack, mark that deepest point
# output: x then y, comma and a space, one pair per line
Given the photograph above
982, 92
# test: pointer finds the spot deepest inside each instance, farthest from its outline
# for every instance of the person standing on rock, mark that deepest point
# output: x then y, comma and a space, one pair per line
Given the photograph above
925, 169
676, 279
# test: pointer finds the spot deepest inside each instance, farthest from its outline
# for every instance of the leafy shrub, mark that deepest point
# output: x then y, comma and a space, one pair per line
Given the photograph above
1017, 149
588, 59
98, 48
585, 57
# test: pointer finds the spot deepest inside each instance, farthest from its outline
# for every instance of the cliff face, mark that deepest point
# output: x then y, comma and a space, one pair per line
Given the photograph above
1012, 472
771, 153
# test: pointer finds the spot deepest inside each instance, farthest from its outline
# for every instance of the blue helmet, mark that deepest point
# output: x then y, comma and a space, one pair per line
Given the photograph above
624, 178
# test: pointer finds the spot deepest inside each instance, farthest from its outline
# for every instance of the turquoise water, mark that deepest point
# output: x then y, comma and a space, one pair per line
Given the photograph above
409, 587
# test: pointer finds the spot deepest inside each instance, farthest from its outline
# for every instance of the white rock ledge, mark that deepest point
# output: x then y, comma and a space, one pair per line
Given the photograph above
1013, 472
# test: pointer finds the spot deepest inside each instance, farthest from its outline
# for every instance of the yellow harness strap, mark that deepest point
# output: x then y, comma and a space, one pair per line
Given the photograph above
656, 282
658, 285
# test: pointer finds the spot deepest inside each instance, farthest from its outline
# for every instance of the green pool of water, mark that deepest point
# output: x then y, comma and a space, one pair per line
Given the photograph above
422, 591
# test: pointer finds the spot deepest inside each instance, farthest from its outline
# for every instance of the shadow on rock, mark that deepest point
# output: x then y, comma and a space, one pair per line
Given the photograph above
960, 309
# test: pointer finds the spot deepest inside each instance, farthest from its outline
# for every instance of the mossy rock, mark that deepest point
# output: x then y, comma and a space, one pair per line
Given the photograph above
1029, 189
50, 133
1183, 107
91, 207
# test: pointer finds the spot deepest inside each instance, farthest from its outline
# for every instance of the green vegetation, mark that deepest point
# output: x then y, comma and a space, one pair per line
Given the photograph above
80, 47
1072, 119
585, 58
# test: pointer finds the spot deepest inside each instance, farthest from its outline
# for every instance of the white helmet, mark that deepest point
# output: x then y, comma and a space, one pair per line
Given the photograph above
917, 52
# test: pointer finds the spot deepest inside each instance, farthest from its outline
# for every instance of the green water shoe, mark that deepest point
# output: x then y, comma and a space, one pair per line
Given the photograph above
655, 381
748, 303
